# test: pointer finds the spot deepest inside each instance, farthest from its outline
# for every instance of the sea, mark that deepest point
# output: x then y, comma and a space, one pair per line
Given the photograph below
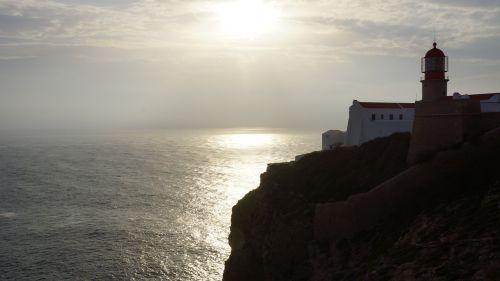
130, 205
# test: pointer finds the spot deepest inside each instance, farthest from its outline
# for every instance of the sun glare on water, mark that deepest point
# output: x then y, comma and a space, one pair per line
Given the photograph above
246, 18
244, 141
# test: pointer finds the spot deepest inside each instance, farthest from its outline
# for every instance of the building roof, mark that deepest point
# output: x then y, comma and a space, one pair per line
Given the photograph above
386, 105
434, 52
477, 96
401, 105
483, 96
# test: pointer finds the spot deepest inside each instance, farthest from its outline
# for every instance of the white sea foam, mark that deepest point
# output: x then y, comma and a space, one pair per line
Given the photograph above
7, 215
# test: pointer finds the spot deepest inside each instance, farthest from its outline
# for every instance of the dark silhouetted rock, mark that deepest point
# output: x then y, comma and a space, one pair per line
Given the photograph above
448, 231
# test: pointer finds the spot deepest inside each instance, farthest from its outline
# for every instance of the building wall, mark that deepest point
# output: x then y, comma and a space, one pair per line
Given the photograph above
491, 105
354, 125
435, 125
362, 127
382, 128
406, 193
434, 89
441, 124
332, 138
490, 120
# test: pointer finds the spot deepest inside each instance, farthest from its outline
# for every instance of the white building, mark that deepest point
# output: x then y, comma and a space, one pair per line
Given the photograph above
332, 138
370, 120
488, 102
440, 120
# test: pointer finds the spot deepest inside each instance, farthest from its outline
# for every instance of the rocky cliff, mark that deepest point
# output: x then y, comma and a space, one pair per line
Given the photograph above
450, 231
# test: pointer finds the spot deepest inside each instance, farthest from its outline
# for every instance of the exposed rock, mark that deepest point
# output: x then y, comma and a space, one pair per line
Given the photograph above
451, 231
271, 227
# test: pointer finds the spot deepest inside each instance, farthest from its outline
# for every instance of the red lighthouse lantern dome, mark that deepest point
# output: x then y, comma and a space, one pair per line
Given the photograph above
434, 52
434, 64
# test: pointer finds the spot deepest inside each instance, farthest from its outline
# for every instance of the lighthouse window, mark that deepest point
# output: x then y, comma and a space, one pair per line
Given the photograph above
373, 117
382, 116
400, 116
391, 117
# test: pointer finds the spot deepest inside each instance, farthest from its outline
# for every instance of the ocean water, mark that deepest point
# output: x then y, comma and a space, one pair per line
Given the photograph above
129, 206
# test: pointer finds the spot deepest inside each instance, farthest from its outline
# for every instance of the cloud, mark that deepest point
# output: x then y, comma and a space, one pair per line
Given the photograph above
15, 57
402, 25
165, 58
51, 22
371, 27
477, 4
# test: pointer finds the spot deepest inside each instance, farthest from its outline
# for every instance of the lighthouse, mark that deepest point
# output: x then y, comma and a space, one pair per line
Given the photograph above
434, 67
441, 121
437, 122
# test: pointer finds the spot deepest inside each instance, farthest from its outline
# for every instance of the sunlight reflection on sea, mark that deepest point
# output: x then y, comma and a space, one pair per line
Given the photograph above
130, 206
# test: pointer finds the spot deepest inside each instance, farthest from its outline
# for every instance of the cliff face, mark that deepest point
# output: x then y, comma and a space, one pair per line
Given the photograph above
453, 240
449, 231
272, 226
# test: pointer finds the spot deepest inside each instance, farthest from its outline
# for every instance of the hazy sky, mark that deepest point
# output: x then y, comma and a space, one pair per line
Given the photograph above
201, 63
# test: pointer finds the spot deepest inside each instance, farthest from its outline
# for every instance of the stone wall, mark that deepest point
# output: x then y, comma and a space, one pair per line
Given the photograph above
489, 120
433, 90
407, 193
441, 124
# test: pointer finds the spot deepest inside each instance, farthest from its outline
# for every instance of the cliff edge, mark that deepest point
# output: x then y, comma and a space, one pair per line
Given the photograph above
361, 213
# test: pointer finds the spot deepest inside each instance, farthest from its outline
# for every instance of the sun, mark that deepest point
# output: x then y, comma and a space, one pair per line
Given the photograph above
246, 18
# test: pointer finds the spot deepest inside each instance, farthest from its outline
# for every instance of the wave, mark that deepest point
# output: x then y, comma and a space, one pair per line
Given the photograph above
7, 215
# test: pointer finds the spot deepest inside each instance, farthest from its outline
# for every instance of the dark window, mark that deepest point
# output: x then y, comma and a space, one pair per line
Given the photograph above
391, 117
400, 116
373, 117
382, 116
